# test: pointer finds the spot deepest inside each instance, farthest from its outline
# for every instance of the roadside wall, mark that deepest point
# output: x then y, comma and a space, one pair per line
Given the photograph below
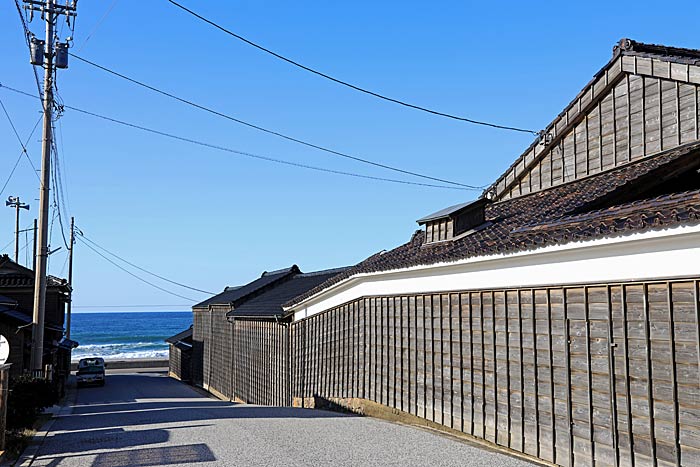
577, 375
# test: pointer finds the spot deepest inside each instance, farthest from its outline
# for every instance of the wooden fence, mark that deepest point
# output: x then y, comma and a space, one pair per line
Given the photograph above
585, 375
242, 359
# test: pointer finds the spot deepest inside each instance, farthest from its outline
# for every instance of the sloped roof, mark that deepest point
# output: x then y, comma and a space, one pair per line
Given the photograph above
15, 275
555, 216
443, 212
181, 336
662, 52
232, 294
9, 311
269, 303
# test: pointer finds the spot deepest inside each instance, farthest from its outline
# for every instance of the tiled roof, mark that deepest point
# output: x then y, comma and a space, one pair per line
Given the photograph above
555, 216
269, 303
231, 294
662, 52
15, 275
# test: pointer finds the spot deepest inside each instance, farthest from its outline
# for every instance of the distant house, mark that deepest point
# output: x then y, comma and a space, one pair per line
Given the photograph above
556, 315
16, 308
229, 357
180, 355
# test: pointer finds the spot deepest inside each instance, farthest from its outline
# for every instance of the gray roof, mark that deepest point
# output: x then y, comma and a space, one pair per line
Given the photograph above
268, 304
184, 335
447, 212
231, 295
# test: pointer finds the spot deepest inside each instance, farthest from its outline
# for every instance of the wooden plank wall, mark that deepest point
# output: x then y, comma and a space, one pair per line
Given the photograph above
199, 336
220, 352
259, 373
639, 116
567, 374
439, 230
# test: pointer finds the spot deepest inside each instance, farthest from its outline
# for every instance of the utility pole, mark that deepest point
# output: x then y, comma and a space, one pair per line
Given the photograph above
48, 53
15, 202
34, 250
70, 275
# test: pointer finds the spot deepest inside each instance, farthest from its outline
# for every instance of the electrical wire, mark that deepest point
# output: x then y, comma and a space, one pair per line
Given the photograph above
132, 274
268, 131
9, 177
133, 306
99, 23
27, 33
24, 146
345, 83
95, 244
243, 153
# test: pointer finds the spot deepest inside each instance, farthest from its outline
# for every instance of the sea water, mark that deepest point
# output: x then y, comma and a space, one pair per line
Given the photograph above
124, 335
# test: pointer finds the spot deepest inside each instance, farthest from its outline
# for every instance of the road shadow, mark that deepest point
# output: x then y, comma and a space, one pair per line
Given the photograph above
108, 438
175, 412
166, 455
186, 454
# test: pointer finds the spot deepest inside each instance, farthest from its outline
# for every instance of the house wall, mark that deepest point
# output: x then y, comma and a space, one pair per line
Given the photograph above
200, 345
647, 106
244, 360
179, 363
441, 229
19, 355
569, 374
260, 373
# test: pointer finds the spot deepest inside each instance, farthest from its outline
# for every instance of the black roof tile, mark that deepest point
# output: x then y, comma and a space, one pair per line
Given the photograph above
553, 216
232, 294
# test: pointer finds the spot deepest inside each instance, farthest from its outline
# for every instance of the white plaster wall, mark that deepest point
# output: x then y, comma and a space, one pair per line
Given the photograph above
657, 254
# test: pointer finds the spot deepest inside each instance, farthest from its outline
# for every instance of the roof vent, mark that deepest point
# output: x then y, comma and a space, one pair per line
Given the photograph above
451, 222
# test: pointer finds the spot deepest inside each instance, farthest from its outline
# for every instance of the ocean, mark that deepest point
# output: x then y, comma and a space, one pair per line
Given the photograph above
126, 335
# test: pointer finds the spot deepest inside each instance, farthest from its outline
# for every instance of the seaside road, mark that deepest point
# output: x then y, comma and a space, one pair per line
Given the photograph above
148, 419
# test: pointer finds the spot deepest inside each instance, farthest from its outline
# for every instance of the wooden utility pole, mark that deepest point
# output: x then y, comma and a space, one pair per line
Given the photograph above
15, 202
48, 54
70, 275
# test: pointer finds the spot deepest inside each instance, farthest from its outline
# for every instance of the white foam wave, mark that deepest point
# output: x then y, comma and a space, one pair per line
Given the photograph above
159, 354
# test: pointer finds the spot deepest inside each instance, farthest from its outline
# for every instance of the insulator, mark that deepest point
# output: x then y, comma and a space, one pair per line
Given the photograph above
36, 51
62, 55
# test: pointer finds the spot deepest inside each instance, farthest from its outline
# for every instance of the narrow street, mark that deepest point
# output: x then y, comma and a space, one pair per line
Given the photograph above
148, 419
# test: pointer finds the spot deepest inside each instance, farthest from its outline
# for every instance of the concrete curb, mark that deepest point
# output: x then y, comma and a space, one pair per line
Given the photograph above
26, 459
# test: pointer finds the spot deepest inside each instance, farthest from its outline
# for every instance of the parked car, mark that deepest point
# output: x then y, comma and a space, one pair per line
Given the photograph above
91, 371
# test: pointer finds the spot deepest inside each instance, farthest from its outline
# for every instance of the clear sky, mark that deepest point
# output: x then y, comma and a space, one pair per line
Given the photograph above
210, 219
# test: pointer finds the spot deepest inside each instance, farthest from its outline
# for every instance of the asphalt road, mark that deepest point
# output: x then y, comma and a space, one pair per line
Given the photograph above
148, 419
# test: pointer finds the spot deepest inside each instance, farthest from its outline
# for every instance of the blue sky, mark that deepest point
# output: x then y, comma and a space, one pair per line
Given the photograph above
211, 219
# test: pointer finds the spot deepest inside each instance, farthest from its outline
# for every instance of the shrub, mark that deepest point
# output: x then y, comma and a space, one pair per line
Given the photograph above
28, 397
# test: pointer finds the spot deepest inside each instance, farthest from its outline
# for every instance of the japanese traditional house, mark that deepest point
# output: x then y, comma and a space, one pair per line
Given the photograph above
241, 349
180, 355
16, 307
557, 315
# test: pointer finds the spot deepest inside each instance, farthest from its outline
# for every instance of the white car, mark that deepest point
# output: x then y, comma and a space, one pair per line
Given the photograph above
91, 371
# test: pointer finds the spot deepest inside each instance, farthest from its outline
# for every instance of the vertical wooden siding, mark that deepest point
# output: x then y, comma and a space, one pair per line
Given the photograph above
640, 116
589, 375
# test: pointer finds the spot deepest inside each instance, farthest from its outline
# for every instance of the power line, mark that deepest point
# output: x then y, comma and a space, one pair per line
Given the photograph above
133, 306
345, 83
99, 23
268, 131
131, 273
24, 146
84, 237
243, 153
26, 38
24, 150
